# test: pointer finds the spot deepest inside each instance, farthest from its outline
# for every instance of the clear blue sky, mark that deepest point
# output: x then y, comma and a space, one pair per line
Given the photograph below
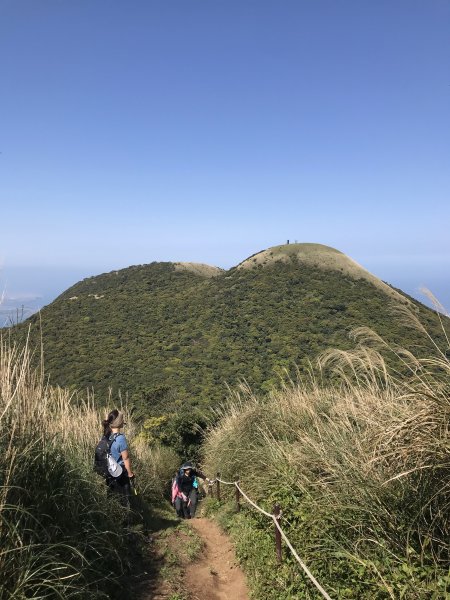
208, 130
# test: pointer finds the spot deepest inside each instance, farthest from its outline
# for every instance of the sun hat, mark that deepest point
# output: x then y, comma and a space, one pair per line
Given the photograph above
118, 421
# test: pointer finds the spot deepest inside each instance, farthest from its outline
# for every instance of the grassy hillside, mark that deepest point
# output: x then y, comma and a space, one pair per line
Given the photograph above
361, 469
61, 535
173, 336
318, 256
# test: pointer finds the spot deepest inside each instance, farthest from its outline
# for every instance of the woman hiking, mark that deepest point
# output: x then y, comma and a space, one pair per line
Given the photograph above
185, 490
112, 426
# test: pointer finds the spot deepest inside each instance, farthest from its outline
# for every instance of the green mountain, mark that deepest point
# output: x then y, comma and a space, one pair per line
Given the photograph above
171, 335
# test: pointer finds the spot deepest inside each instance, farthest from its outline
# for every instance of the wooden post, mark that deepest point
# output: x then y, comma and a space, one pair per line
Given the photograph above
277, 514
218, 487
238, 496
210, 490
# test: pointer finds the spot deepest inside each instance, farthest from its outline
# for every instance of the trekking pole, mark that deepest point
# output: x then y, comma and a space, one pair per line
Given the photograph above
218, 487
238, 495
277, 515
133, 486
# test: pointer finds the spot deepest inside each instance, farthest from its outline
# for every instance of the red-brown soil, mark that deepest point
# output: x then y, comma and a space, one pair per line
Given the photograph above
216, 575
213, 575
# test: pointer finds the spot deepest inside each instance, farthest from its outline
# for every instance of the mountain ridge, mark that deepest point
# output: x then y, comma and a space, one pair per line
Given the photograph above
172, 338
319, 255
312, 254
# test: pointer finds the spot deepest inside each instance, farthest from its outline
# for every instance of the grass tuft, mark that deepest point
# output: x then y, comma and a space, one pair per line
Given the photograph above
360, 466
60, 535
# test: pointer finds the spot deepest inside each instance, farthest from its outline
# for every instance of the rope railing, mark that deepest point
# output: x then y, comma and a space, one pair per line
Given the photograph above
261, 510
279, 533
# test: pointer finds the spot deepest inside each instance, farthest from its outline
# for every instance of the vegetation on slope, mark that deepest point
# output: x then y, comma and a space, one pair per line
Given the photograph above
361, 469
60, 536
172, 339
317, 256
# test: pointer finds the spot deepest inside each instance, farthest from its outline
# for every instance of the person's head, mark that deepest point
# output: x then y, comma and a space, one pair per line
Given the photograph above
114, 420
187, 468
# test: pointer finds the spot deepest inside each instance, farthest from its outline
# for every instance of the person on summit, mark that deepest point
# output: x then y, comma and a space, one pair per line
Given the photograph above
185, 490
112, 426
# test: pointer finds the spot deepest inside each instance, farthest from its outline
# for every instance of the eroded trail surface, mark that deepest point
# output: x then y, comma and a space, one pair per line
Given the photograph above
216, 574
192, 560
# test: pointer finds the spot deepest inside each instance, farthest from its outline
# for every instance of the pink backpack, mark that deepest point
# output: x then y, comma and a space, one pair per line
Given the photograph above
176, 492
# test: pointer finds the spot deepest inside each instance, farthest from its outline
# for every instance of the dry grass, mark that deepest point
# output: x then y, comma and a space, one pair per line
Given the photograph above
59, 534
361, 464
321, 257
198, 269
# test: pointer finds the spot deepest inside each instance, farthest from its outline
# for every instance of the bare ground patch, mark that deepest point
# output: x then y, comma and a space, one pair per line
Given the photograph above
194, 561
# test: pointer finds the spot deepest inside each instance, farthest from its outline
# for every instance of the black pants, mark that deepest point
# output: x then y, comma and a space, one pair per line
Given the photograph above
121, 486
186, 509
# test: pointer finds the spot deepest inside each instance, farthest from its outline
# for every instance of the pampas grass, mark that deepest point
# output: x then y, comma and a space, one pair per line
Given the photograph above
361, 466
60, 535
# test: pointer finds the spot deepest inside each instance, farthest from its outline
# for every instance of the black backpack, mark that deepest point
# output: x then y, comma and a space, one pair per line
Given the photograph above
102, 452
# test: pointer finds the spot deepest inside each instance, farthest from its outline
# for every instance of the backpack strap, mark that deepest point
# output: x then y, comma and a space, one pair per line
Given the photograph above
111, 441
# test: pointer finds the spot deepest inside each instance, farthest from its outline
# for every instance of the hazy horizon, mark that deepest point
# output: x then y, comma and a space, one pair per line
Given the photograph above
28, 289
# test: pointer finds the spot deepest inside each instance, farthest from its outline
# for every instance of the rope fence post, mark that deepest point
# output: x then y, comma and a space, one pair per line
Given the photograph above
218, 487
277, 515
238, 495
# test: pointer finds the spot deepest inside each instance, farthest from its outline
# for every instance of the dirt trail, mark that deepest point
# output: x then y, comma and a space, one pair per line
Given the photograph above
215, 575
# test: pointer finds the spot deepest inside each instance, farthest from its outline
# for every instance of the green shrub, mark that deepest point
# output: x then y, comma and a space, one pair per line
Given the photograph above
361, 468
60, 535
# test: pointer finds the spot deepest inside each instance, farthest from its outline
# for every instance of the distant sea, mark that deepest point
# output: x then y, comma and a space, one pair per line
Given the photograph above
25, 290
15, 310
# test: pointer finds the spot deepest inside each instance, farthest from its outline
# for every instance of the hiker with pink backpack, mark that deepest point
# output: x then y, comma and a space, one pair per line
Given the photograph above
185, 490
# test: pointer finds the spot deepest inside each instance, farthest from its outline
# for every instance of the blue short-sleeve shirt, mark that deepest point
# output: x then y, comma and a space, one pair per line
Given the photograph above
118, 446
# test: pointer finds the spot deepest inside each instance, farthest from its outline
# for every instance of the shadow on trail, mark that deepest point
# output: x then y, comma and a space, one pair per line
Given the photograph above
161, 524
191, 559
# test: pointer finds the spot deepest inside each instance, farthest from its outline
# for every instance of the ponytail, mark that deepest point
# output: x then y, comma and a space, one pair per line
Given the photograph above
107, 422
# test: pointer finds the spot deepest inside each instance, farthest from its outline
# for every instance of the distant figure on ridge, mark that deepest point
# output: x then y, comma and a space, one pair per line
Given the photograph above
185, 490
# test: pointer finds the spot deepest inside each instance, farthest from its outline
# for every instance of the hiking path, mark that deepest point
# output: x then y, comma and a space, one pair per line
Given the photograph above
213, 574
216, 575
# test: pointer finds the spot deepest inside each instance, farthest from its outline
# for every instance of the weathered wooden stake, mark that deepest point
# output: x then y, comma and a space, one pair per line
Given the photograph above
276, 514
238, 496
210, 490
218, 487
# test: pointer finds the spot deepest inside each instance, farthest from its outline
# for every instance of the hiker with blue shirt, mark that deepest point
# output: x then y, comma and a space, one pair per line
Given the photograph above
112, 426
